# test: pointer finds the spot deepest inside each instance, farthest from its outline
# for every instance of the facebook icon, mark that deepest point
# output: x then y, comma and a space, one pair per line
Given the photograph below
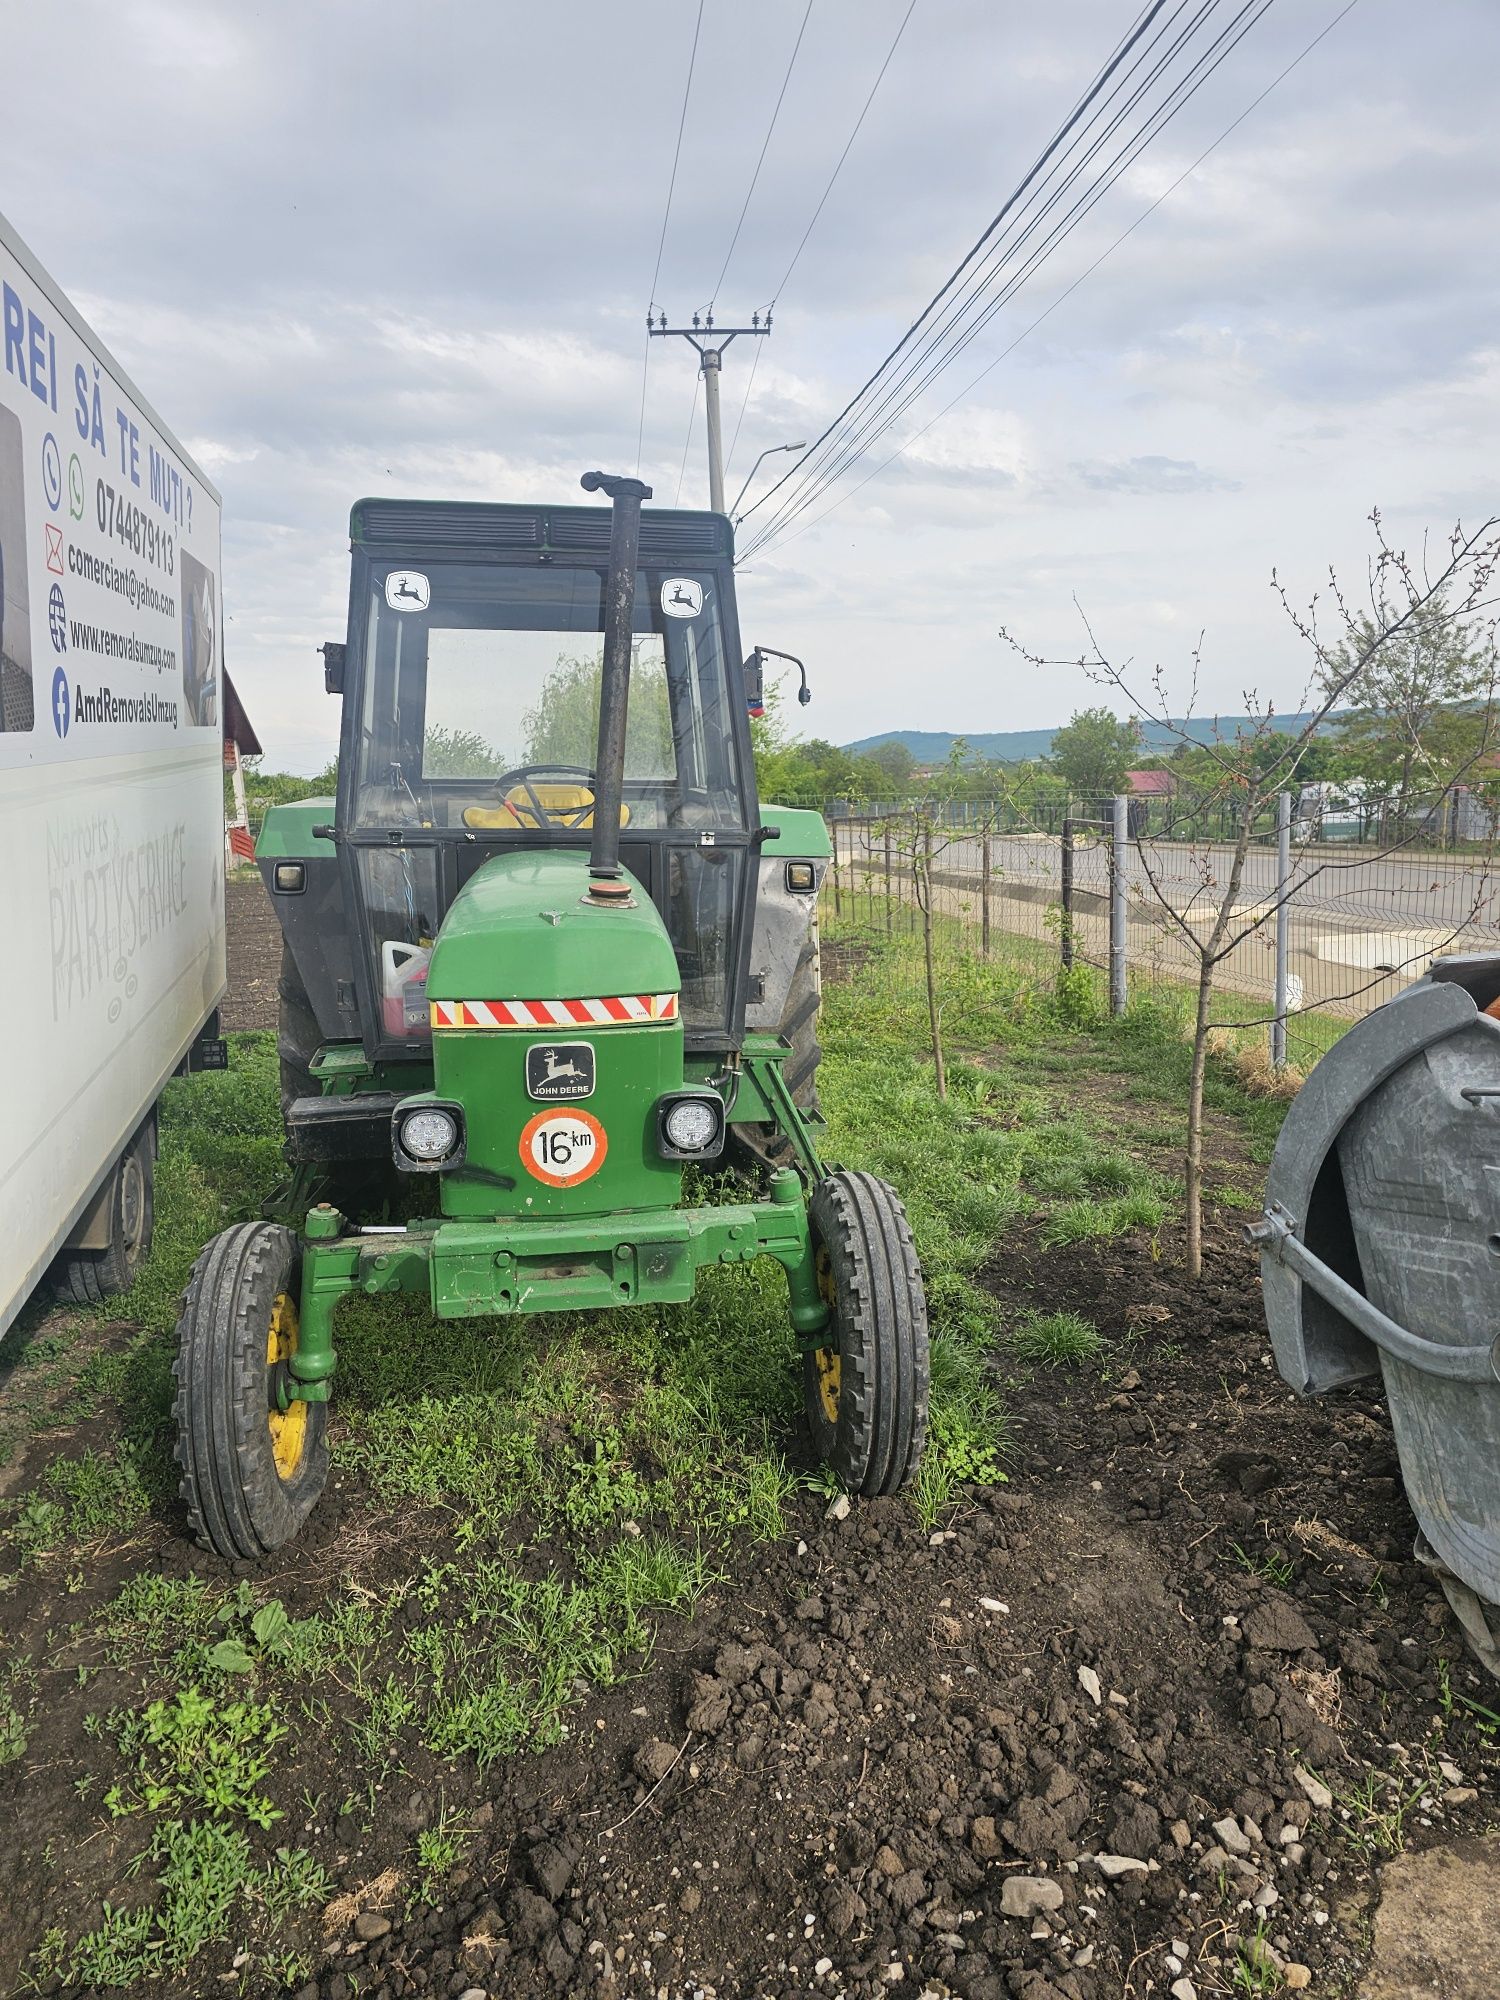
62, 713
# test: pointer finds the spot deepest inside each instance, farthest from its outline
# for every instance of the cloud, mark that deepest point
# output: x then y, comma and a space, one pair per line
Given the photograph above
1151, 474
349, 251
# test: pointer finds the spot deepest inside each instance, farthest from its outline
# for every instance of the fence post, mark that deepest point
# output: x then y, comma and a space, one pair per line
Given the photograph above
889, 926
984, 894
1283, 926
838, 903
1118, 851
1067, 895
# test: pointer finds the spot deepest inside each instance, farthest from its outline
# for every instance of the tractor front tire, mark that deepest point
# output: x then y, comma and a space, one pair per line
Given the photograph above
251, 1468
866, 1388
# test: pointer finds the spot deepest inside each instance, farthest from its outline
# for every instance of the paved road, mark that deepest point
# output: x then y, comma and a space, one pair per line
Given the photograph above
1396, 890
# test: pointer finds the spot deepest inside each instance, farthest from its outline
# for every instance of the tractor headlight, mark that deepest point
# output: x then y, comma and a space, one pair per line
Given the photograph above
427, 1137
690, 1125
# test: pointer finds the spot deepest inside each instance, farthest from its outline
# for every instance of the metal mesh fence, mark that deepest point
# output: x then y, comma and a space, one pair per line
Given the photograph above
1319, 930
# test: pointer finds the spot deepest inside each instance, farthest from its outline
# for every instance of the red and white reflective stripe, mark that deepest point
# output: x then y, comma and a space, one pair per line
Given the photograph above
613, 1010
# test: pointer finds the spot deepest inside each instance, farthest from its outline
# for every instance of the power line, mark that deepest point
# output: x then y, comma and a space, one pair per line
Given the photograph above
839, 164
812, 224
938, 340
855, 423
859, 432
1083, 276
745, 401
760, 162
851, 436
661, 241
1072, 119
692, 419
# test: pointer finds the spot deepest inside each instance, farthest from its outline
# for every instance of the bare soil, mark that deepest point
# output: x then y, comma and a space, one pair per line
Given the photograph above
874, 1738
869, 1729
254, 956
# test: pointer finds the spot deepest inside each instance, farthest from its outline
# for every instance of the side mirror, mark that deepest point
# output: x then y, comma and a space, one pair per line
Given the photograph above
754, 671
334, 655
764, 653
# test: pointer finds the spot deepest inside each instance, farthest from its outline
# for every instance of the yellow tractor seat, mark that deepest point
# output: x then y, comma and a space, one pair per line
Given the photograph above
565, 805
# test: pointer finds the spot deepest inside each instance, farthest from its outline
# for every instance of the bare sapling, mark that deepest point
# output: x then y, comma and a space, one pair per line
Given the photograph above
922, 835
1197, 886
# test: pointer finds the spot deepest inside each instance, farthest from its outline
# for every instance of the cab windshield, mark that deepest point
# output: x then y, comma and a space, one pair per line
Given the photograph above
480, 701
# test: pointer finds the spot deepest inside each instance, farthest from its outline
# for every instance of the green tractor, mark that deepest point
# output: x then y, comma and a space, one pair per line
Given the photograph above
548, 952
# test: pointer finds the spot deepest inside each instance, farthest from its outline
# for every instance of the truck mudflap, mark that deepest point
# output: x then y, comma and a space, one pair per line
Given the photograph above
1380, 1247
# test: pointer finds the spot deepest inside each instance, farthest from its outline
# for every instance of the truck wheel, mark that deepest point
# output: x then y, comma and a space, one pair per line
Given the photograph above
768, 1145
250, 1470
866, 1389
88, 1277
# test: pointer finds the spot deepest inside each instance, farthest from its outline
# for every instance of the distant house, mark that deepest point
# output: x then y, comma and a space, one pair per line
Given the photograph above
1146, 788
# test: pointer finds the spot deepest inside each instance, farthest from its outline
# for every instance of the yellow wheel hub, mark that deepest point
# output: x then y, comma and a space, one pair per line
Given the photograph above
827, 1359
288, 1427
830, 1370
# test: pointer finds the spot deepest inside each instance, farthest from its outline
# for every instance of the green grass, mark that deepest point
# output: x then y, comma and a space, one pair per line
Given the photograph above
557, 1485
1272, 1565
438, 1850
1255, 1970
1056, 1339
1083, 1221
206, 1882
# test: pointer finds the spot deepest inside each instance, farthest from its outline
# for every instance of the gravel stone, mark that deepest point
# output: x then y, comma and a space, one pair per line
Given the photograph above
1030, 1896
1315, 1789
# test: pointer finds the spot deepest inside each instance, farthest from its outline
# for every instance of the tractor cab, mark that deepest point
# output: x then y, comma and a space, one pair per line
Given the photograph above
471, 683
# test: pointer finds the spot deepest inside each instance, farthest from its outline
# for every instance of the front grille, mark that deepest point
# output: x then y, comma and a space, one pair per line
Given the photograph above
667, 536
448, 523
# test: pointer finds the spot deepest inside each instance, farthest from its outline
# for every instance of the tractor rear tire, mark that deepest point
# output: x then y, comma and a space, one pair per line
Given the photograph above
251, 1471
358, 1187
767, 1145
866, 1390
89, 1277
297, 1035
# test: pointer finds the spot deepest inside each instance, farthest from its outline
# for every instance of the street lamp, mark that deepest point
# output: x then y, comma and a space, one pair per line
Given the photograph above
769, 452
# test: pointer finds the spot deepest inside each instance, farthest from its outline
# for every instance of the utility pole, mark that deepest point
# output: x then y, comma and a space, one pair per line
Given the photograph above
710, 342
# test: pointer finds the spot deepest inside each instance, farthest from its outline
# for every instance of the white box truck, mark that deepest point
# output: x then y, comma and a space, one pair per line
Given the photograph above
111, 791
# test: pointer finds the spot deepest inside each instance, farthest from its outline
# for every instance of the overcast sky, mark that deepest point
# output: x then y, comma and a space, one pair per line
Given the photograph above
351, 249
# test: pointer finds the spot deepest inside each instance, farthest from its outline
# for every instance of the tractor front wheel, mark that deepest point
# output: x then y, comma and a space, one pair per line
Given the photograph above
253, 1460
866, 1388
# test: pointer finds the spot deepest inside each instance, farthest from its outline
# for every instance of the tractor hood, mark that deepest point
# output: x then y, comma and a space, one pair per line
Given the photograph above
522, 928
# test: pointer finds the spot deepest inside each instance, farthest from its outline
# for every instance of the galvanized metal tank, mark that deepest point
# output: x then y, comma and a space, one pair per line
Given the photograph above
1380, 1253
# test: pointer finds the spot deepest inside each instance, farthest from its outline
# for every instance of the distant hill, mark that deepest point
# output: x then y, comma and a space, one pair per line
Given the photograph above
1010, 746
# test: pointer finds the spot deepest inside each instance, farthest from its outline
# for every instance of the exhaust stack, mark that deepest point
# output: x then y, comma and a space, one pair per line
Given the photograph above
607, 884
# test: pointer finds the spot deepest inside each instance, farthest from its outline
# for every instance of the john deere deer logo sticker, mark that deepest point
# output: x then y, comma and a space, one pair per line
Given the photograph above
560, 1070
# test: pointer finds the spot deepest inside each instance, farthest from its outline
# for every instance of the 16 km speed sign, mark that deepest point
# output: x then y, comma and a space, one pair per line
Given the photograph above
563, 1148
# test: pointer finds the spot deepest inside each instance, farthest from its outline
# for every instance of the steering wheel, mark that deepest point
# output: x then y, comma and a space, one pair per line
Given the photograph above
564, 818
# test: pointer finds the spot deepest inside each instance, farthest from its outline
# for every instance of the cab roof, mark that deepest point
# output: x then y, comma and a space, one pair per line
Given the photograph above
480, 527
